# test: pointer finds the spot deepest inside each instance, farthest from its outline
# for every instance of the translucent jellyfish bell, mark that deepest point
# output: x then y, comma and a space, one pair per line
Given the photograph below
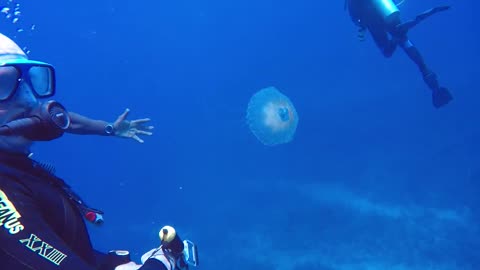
272, 117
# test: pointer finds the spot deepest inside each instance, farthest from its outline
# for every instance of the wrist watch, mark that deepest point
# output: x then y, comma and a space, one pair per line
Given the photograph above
109, 130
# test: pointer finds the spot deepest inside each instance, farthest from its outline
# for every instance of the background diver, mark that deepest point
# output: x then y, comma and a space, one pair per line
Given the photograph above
382, 19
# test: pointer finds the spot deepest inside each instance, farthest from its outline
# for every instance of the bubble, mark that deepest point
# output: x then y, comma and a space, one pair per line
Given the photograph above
13, 14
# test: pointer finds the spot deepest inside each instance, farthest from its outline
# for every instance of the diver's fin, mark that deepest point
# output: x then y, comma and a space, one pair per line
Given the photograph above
406, 26
441, 97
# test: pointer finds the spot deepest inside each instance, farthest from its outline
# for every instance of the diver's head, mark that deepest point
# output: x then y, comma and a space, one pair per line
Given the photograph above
23, 83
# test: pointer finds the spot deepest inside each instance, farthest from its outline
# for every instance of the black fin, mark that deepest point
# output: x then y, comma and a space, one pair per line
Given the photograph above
441, 97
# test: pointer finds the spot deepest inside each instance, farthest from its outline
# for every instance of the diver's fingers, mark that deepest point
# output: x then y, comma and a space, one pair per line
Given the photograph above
139, 121
143, 128
141, 132
122, 116
135, 137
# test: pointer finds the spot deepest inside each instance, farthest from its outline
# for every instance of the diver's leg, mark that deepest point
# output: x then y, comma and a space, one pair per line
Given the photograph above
440, 95
386, 45
402, 39
414, 55
406, 26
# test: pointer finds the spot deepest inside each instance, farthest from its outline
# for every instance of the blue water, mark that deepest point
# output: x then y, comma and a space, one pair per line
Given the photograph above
375, 178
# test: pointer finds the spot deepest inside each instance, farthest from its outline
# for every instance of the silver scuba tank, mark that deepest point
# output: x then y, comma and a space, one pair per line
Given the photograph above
385, 8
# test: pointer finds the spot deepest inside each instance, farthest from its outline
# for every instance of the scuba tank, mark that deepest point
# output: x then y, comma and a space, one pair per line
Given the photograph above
360, 10
363, 11
385, 8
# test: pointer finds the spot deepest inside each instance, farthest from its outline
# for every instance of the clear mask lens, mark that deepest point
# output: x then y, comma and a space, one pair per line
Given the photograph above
39, 77
9, 77
42, 80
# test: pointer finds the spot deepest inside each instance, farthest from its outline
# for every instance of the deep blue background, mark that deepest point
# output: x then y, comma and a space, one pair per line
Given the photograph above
376, 178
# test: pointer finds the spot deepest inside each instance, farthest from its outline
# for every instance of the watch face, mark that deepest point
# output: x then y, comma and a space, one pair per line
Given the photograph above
109, 129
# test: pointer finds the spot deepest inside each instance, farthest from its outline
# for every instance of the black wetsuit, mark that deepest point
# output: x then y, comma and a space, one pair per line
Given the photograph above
390, 32
41, 222
364, 14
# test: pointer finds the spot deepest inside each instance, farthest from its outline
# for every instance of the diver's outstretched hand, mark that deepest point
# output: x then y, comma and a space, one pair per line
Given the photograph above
131, 129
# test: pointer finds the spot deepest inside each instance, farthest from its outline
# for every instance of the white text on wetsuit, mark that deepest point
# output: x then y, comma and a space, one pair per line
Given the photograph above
9, 216
43, 249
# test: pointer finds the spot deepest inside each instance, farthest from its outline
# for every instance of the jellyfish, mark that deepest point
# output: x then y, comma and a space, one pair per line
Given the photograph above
272, 117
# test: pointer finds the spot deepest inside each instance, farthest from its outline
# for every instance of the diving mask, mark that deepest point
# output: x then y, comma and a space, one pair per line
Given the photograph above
39, 76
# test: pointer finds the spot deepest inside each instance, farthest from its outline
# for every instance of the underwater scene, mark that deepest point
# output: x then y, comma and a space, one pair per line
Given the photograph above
288, 135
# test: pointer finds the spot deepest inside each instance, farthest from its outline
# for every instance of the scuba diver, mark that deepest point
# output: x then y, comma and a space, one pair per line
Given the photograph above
382, 19
42, 221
